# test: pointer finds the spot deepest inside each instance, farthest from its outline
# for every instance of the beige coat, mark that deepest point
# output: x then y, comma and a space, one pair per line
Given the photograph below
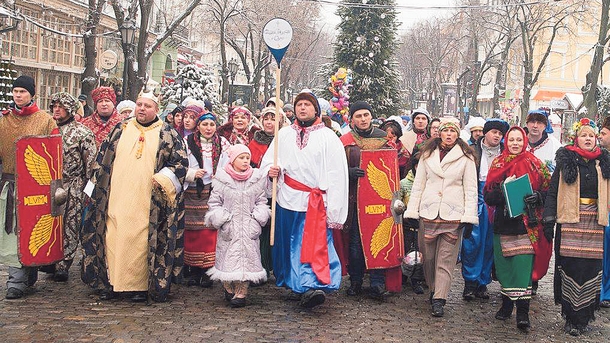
568, 199
445, 189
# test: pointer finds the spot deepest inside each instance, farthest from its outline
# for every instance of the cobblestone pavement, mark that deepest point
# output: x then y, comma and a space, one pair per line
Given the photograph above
70, 312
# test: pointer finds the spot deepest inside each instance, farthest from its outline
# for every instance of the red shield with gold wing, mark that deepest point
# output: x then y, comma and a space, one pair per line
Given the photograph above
382, 236
39, 198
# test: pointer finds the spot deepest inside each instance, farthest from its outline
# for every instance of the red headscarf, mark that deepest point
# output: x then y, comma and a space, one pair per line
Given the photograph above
518, 165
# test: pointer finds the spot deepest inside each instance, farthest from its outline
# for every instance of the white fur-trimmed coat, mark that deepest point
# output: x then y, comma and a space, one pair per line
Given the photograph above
445, 189
238, 209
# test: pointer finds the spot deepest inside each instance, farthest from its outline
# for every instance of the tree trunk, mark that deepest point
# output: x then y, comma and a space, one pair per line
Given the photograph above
89, 77
591, 80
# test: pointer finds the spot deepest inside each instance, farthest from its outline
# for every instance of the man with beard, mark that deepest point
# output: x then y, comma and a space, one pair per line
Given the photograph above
79, 152
477, 248
131, 233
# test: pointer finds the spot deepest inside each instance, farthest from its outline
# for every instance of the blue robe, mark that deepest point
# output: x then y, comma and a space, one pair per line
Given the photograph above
477, 251
287, 267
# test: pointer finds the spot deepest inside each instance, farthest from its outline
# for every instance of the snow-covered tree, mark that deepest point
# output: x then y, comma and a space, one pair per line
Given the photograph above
366, 44
197, 83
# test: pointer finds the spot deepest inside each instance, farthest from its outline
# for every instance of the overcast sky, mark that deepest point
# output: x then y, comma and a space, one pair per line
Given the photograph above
406, 16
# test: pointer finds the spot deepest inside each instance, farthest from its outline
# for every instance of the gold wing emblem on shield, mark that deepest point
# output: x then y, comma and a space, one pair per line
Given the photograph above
41, 234
37, 166
382, 236
379, 181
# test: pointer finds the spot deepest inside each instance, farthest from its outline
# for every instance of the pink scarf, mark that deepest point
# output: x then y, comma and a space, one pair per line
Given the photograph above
238, 176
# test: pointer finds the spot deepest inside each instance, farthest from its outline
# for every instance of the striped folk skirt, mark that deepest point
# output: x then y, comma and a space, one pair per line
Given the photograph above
199, 240
579, 267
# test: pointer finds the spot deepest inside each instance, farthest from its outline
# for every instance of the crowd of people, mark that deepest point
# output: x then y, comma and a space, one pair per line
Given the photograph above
184, 198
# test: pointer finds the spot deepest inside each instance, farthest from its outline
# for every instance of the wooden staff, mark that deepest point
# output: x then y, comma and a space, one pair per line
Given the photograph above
276, 128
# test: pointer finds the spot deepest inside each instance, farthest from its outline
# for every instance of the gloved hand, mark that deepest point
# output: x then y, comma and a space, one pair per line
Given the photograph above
549, 231
413, 223
355, 173
467, 229
534, 199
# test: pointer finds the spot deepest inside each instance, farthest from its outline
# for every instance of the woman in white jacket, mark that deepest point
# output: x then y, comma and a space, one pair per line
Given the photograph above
444, 200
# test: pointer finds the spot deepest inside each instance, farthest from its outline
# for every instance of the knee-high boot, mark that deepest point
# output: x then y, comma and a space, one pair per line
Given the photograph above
523, 319
506, 310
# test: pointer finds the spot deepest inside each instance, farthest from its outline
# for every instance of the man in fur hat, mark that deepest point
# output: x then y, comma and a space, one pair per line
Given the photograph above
79, 152
105, 117
477, 248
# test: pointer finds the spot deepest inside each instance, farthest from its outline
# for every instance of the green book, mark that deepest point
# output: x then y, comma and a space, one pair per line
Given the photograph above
514, 192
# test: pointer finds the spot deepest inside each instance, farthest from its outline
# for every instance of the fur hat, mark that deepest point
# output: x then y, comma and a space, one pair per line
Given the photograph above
497, 124
309, 96
26, 83
66, 100
288, 107
475, 123
208, 105
82, 97
103, 93
124, 105
237, 150
359, 105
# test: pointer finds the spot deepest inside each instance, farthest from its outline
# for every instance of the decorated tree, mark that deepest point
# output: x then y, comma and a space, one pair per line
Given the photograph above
366, 45
197, 83
340, 84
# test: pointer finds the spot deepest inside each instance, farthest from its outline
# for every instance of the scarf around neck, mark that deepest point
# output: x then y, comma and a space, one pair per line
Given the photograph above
236, 175
24, 111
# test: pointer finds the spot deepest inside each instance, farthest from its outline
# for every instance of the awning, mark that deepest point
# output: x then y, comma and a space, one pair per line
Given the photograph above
485, 96
544, 95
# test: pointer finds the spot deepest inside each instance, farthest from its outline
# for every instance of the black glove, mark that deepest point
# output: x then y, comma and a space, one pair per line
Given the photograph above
355, 173
413, 223
549, 231
532, 202
467, 229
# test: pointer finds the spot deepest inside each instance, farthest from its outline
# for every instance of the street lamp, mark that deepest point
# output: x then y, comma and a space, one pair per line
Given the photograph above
233, 66
128, 35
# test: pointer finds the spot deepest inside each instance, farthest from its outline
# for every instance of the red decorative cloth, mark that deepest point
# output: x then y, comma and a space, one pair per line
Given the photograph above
314, 248
101, 128
258, 150
103, 93
518, 165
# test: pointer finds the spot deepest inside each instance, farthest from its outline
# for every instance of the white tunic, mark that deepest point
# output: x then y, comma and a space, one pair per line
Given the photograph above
546, 151
319, 163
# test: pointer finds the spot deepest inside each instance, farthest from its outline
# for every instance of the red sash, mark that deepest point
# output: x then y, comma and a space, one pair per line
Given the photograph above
314, 248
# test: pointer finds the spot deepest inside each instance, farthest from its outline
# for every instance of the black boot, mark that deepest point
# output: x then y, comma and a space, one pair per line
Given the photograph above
534, 287
355, 288
469, 288
506, 310
437, 307
205, 280
523, 319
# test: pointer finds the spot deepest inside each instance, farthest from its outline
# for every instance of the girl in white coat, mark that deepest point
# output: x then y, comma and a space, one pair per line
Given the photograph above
238, 209
444, 200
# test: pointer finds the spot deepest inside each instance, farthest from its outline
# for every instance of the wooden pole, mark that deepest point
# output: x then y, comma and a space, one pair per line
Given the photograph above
275, 147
